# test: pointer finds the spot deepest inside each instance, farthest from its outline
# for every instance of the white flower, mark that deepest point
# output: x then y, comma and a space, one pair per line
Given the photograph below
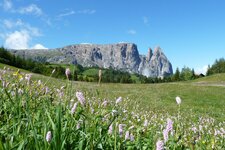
48, 136
118, 100
127, 135
53, 71
67, 72
178, 100
146, 123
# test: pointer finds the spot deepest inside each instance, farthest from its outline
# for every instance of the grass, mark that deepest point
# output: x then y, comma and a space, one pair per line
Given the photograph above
202, 105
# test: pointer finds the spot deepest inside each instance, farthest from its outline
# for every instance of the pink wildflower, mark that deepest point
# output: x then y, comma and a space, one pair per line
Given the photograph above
104, 103
165, 135
159, 145
74, 108
121, 129
80, 98
131, 137
118, 100
127, 135
110, 129
169, 126
48, 136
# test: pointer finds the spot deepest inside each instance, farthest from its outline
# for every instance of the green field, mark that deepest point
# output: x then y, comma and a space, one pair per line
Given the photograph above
201, 98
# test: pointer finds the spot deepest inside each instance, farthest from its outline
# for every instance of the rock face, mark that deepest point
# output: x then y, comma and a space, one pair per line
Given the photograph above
122, 56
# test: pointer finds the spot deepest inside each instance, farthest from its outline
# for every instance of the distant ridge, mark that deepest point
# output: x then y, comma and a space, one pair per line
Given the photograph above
120, 56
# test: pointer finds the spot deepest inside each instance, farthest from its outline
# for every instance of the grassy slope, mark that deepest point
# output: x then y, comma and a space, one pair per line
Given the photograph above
200, 99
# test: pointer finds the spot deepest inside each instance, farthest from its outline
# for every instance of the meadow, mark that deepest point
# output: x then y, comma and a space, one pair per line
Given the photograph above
38, 112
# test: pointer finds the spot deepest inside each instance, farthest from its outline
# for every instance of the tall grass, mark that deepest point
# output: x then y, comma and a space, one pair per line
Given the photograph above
35, 116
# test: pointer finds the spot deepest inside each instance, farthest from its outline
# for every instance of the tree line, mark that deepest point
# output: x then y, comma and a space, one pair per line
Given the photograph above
108, 76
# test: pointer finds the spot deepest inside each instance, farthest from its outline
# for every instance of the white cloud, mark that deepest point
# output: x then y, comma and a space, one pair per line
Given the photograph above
67, 14
7, 4
31, 9
17, 40
86, 11
145, 20
8, 23
202, 70
72, 12
131, 31
20, 25
38, 46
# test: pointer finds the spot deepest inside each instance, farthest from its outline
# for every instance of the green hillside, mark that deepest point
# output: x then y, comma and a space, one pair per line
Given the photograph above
48, 113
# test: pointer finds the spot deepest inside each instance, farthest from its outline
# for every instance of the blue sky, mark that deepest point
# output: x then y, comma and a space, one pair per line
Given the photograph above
190, 32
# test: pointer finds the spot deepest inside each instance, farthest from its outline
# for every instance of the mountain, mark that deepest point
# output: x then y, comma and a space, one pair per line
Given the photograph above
121, 56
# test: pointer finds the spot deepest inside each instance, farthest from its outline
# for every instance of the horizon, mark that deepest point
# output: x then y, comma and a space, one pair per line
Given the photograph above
190, 33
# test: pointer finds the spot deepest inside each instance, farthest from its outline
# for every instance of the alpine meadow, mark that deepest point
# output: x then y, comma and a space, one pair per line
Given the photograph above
112, 75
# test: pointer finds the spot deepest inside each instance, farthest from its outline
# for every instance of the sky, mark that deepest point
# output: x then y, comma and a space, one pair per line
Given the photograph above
191, 33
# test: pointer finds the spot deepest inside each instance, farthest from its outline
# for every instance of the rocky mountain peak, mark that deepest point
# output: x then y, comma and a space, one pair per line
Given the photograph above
149, 55
120, 56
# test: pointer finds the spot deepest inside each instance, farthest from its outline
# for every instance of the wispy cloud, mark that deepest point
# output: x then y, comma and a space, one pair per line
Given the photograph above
66, 14
145, 20
87, 11
19, 24
72, 12
132, 31
11, 24
7, 4
31, 9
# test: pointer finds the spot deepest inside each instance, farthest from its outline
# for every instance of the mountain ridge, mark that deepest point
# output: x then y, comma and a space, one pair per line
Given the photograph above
119, 56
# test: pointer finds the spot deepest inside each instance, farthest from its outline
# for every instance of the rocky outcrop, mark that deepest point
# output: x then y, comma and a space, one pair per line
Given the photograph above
121, 56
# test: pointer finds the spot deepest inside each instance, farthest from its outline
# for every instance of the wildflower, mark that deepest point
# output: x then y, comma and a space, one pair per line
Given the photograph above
178, 100
104, 103
39, 82
78, 126
131, 137
159, 145
127, 135
118, 100
60, 93
165, 135
48, 136
92, 110
110, 129
27, 77
67, 72
5, 84
131, 127
121, 129
21, 79
74, 108
53, 71
80, 98
169, 126
146, 123
114, 112
46, 90
20, 91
